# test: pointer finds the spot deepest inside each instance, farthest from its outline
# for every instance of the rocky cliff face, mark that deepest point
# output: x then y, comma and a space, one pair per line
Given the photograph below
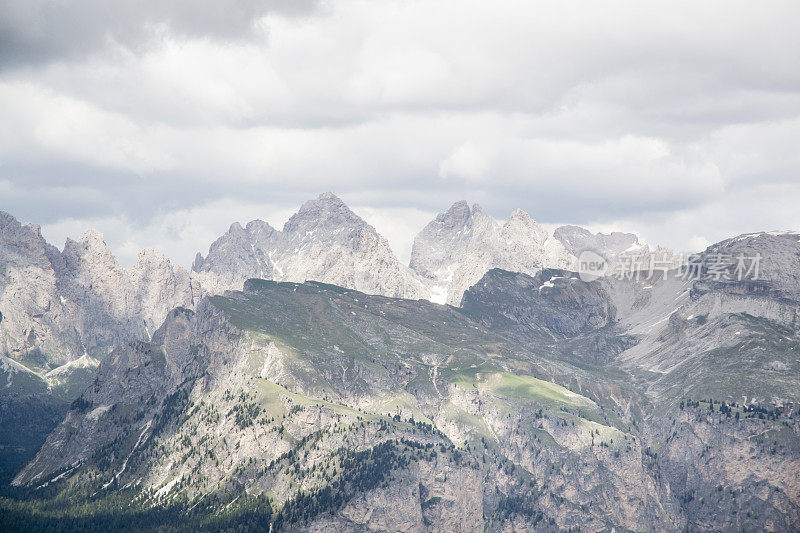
238, 255
324, 241
60, 306
457, 248
35, 321
156, 286
768, 261
577, 239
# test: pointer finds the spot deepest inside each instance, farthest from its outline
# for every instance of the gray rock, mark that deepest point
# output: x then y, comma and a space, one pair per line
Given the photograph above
577, 239
457, 248
61, 306
324, 241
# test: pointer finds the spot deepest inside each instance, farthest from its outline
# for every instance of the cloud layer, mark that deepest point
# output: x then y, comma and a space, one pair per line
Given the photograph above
162, 122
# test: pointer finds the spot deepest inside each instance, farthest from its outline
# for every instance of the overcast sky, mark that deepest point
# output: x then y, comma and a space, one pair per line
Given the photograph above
160, 122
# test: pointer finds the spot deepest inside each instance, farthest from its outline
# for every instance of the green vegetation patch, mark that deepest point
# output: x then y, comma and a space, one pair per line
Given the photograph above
536, 390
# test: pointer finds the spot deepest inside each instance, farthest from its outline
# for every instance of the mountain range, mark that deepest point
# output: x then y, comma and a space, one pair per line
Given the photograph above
74, 305
304, 378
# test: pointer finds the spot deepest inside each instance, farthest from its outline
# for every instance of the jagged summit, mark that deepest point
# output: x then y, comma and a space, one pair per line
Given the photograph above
259, 226
326, 201
84, 289
93, 237
328, 195
527, 225
577, 239
324, 212
324, 241
59, 305
8, 222
461, 244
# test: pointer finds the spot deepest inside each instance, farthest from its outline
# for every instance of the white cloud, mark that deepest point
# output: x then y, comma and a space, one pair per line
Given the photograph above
180, 233
466, 163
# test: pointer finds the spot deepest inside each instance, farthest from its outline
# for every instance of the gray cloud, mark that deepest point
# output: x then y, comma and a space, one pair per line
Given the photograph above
41, 31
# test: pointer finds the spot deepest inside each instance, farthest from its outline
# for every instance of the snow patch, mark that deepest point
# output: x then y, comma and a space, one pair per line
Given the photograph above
549, 282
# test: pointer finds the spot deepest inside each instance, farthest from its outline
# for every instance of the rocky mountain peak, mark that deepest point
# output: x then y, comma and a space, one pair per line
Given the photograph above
459, 213
92, 237
460, 245
324, 241
89, 253
444, 239
457, 217
520, 222
20, 242
36, 229
12, 230
152, 256
197, 264
576, 239
62, 305
519, 214
259, 227
7, 219
325, 211
235, 228
483, 222
325, 202
329, 196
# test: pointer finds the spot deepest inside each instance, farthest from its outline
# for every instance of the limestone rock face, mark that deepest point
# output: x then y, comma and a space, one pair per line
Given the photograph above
156, 286
59, 306
457, 248
443, 242
767, 259
98, 286
37, 324
577, 239
238, 255
324, 241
